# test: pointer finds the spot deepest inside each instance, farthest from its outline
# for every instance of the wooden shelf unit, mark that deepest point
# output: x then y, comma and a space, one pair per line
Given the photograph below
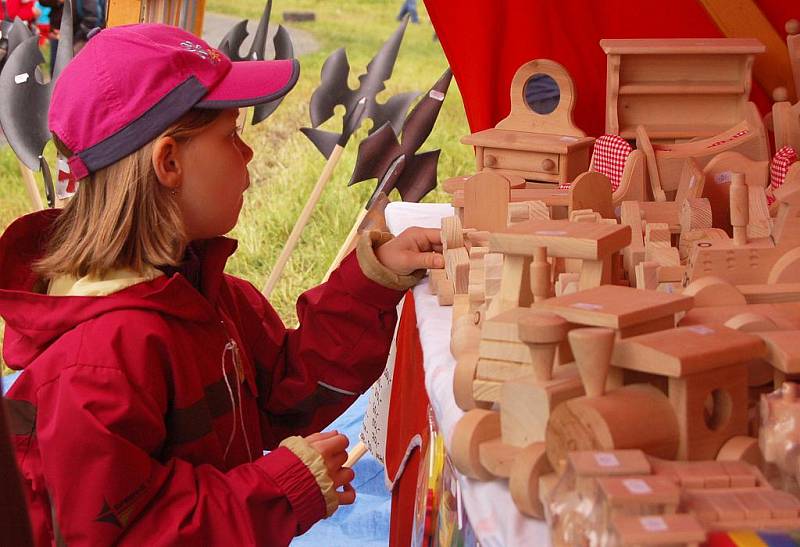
677, 88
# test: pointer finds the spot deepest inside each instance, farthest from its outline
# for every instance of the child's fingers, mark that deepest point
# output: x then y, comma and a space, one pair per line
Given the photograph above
336, 461
348, 496
314, 437
417, 261
426, 238
344, 475
332, 445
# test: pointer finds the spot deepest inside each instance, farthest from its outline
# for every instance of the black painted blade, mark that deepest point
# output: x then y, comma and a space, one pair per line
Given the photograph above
375, 154
419, 176
284, 49
325, 141
332, 90
419, 123
26, 101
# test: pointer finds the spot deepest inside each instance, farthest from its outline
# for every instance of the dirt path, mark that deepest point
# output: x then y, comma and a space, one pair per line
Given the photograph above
216, 26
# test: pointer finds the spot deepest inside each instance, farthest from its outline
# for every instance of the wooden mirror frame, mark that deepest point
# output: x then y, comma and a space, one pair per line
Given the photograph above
523, 117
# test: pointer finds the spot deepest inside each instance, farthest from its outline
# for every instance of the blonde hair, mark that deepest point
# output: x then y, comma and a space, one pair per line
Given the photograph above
121, 216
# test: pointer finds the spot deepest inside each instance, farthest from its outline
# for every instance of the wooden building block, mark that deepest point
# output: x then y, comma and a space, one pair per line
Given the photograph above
657, 233
783, 350
695, 214
444, 292
473, 429
686, 351
608, 463
781, 504
452, 233
633, 492
457, 267
678, 529
615, 307
726, 506
526, 403
486, 391
664, 256
587, 241
753, 506
434, 277
740, 474
486, 197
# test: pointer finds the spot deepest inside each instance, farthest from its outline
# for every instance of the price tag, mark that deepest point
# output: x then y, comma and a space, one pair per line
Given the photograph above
436, 94
723, 177
550, 232
604, 459
700, 329
654, 524
587, 306
637, 486
21, 78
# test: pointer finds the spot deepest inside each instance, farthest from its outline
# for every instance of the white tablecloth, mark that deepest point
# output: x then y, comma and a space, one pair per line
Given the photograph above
495, 518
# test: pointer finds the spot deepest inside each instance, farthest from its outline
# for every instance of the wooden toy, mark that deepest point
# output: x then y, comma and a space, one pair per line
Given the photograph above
793, 45
187, 14
666, 163
537, 141
678, 529
594, 244
771, 260
786, 122
692, 359
486, 198
719, 173
677, 88
624, 309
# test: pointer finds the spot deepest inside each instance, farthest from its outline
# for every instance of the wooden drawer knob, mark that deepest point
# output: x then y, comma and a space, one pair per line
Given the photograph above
548, 164
489, 160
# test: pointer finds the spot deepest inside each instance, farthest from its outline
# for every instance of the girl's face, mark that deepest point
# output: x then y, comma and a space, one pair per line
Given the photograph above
214, 177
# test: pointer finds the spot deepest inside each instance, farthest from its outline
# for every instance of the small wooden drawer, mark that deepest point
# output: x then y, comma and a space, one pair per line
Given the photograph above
521, 160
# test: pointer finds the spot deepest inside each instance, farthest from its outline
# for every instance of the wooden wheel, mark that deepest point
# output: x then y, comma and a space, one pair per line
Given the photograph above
530, 464
463, 376
475, 427
741, 449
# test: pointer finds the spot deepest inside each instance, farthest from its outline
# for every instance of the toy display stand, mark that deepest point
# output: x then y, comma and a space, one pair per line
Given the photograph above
491, 511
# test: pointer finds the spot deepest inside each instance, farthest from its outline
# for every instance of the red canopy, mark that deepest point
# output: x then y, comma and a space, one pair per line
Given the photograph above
486, 41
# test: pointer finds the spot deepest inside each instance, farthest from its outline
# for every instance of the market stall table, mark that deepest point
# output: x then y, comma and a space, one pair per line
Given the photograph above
488, 505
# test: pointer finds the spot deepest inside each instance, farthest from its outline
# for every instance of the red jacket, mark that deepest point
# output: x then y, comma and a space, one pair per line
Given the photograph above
122, 415
18, 8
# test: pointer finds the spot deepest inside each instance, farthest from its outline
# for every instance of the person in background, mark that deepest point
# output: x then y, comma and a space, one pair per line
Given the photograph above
24, 9
86, 14
409, 8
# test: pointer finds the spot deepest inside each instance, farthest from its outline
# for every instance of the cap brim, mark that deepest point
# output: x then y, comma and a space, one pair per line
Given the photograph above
249, 83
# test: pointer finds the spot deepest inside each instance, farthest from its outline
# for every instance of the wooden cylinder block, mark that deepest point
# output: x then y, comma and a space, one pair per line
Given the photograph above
634, 416
740, 208
466, 336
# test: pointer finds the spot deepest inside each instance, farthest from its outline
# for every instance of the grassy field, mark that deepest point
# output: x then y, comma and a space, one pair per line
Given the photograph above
286, 164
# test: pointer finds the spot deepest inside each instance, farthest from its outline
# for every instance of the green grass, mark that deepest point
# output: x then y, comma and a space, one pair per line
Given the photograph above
286, 165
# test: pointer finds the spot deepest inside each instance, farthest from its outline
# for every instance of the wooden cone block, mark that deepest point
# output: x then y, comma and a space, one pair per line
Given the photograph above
542, 332
592, 348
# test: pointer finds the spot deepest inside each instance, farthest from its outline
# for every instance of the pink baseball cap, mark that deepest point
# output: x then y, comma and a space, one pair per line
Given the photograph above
130, 83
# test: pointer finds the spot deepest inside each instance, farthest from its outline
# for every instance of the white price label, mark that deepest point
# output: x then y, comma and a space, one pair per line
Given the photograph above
435, 94
654, 524
604, 459
587, 306
550, 232
21, 78
700, 329
723, 177
637, 486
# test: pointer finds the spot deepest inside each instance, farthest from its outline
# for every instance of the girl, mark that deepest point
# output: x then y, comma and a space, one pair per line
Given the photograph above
153, 381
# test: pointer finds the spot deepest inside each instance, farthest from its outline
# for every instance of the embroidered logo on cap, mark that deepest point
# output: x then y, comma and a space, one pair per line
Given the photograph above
209, 54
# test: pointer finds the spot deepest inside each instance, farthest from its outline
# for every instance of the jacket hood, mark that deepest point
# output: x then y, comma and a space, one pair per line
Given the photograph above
34, 319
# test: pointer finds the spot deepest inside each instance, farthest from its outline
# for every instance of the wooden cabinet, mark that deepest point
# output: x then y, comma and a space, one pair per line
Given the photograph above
533, 156
677, 88
538, 140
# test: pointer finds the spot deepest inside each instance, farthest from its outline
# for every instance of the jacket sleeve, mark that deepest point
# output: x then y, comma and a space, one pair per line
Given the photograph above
106, 485
308, 376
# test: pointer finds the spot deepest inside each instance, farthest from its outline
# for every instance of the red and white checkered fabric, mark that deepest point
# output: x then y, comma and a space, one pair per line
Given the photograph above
781, 161
608, 157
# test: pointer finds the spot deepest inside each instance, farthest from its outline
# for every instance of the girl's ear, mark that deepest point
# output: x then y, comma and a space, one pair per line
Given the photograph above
166, 163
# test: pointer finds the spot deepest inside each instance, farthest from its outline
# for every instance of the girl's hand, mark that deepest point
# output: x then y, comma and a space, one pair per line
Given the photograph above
414, 249
331, 445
